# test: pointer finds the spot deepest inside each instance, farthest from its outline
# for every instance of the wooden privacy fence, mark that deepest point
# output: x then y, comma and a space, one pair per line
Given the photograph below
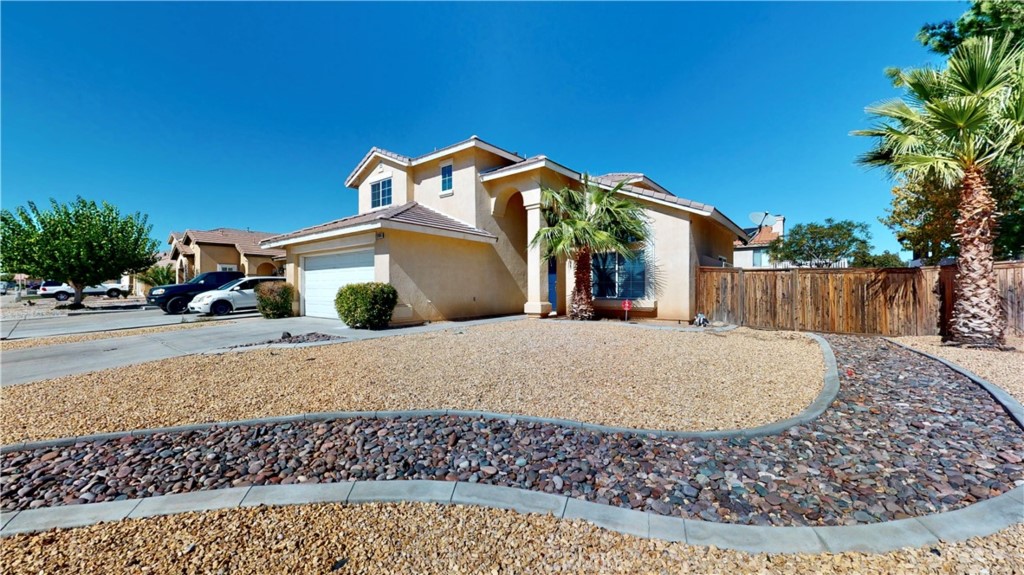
891, 301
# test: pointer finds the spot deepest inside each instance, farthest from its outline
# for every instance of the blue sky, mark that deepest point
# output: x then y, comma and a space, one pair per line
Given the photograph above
225, 114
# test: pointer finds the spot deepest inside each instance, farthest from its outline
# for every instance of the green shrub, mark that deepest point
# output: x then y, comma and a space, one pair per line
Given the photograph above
274, 299
366, 305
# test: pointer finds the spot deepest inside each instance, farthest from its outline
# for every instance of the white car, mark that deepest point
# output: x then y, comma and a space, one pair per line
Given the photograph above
63, 292
234, 295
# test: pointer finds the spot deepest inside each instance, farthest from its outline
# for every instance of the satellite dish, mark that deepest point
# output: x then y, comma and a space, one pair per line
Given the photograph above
763, 218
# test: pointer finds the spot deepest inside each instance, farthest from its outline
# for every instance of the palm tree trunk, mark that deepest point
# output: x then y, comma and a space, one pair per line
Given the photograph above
582, 292
978, 318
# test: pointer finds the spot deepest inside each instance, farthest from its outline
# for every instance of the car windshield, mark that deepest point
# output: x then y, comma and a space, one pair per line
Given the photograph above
231, 284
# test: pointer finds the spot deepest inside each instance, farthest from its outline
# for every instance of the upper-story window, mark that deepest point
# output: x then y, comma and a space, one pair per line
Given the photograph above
380, 193
446, 179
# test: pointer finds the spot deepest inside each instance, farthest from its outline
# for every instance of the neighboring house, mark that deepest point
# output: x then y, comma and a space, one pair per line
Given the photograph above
223, 249
753, 252
141, 288
450, 230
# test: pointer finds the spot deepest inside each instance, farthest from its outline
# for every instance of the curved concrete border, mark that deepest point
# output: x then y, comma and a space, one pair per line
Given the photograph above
1012, 406
828, 393
983, 518
976, 520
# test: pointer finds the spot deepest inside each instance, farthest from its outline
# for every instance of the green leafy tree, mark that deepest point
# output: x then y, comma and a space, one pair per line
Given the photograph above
885, 259
821, 245
923, 213
81, 243
157, 276
952, 126
996, 18
588, 221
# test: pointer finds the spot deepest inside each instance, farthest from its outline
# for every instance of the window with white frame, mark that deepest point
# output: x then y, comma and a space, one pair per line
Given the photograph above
614, 276
446, 178
380, 193
227, 268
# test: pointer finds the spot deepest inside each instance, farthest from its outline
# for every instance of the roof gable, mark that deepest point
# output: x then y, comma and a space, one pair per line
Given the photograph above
353, 180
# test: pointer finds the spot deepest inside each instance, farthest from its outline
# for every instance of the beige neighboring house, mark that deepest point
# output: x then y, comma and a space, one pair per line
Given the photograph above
450, 230
139, 288
223, 249
753, 253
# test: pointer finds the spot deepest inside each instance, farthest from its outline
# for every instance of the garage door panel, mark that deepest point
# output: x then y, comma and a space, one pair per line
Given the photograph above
322, 276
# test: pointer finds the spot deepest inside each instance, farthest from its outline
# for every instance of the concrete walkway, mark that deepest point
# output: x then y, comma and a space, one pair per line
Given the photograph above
47, 362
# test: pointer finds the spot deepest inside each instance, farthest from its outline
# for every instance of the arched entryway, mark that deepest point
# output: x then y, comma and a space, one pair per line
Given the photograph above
266, 269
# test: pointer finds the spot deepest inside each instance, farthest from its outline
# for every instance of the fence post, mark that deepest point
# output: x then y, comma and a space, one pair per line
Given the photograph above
795, 285
741, 298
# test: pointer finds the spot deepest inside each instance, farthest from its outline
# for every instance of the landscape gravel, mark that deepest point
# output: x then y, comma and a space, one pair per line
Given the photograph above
593, 372
11, 345
424, 538
905, 437
1005, 368
429, 538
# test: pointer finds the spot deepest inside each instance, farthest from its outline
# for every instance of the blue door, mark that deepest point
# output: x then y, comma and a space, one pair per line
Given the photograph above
552, 282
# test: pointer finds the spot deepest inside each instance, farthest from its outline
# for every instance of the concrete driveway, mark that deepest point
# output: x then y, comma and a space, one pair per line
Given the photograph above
96, 321
47, 362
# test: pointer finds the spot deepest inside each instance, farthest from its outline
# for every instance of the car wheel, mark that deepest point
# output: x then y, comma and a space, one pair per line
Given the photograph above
220, 308
176, 306
114, 293
62, 296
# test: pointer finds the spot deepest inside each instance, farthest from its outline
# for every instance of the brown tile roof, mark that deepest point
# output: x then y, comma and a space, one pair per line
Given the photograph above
762, 237
410, 160
654, 195
619, 176
245, 241
412, 213
634, 178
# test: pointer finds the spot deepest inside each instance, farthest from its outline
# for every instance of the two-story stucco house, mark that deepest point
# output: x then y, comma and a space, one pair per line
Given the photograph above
450, 230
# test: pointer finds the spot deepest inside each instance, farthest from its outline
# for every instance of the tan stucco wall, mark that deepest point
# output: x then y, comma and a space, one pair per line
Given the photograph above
401, 183
447, 278
251, 263
208, 256
670, 235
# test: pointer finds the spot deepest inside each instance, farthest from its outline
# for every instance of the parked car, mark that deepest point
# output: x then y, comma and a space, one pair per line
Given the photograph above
233, 296
174, 298
63, 292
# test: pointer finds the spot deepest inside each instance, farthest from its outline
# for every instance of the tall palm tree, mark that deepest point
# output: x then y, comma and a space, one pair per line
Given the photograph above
952, 124
588, 221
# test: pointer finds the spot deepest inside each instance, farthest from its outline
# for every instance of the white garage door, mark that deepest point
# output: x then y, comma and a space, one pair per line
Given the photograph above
323, 275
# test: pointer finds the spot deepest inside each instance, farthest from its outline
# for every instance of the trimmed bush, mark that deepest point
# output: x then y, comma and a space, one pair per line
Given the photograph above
274, 299
366, 305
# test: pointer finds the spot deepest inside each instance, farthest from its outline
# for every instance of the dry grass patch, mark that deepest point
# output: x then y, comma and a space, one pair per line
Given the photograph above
428, 538
11, 345
599, 373
1003, 368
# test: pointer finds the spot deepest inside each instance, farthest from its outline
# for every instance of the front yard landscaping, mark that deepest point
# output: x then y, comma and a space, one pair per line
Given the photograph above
597, 373
905, 437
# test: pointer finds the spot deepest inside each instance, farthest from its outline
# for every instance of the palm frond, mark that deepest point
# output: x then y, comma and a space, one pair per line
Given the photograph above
982, 66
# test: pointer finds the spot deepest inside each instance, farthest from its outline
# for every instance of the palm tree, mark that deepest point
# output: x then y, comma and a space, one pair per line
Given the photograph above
951, 125
156, 276
588, 221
